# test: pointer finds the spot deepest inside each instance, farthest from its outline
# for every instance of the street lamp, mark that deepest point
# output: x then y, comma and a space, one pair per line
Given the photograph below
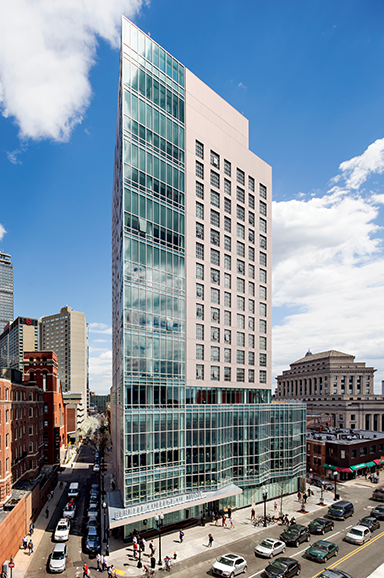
265, 496
322, 494
159, 522
335, 480
104, 506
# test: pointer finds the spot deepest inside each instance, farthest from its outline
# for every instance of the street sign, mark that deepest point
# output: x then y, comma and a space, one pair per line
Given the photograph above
11, 565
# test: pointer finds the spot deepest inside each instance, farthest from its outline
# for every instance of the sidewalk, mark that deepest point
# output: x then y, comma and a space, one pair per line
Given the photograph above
196, 538
22, 559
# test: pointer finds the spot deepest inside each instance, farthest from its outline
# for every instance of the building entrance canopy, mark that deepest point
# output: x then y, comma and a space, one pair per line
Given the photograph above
119, 516
358, 467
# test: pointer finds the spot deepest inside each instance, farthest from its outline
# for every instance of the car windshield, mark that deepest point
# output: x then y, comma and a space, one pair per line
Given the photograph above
379, 509
277, 565
318, 522
58, 555
291, 531
336, 508
226, 561
266, 543
320, 546
356, 531
68, 508
61, 527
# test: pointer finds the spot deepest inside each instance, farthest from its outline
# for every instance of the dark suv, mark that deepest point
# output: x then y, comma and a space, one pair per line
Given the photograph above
378, 495
341, 510
295, 535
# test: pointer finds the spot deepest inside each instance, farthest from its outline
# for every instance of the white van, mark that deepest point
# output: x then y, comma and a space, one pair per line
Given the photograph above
73, 491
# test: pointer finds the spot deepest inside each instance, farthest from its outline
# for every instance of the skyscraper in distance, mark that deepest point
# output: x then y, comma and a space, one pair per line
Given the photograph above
193, 426
6, 290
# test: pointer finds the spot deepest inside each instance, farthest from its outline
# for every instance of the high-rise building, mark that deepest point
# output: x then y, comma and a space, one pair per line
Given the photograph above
6, 290
65, 333
21, 335
192, 421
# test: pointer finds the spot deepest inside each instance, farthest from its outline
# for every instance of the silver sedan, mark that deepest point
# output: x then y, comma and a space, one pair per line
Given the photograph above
269, 548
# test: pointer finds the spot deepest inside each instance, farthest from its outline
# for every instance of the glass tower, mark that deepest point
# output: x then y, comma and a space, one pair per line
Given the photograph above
6, 290
191, 249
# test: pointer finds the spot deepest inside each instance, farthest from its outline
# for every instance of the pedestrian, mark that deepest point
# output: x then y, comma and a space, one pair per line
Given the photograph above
181, 536
275, 506
47, 512
85, 571
30, 547
253, 513
135, 549
52, 492
223, 522
152, 547
217, 517
25, 542
305, 498
49, 497
134, 539
104, 563
231, 524
299, 496
142, 544
210, 540
98, 561
31, 528
229, 512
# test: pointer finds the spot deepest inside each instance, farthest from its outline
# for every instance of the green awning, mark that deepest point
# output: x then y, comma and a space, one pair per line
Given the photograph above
358, 467
328, 467
370, 464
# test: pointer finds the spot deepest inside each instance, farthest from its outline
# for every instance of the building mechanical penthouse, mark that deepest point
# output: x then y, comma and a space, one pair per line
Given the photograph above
193, 426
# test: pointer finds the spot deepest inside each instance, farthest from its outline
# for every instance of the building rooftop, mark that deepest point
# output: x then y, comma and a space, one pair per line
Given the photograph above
344, 436
324, 355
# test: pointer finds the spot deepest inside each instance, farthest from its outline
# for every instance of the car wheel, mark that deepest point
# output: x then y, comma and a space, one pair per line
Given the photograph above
245, 569
298, 571
232, 575
336, 552
308, 538
271, 556
296, 544
322, 532
332, 527
283, 550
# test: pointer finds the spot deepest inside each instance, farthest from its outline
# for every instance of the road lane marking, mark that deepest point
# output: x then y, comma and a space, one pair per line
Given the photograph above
334, 535
346, 528
257, 573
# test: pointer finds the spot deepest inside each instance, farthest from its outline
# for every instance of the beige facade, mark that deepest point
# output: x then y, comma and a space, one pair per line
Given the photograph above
333, 383
21, 335
65, 333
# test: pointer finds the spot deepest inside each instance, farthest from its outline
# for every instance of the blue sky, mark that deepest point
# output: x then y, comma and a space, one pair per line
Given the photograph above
309, 76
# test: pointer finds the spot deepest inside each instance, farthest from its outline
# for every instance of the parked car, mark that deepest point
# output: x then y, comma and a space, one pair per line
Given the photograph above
58, 559
269, 548
322, 550
378, 495
93, 511
295, 535
229, 565
93, 523
92, 542
341, 510
95, 488
334, 574
318, 483
96, 467
62, 530
320, 526
283, 568
69, 511
378, 512
371, 522
358, 535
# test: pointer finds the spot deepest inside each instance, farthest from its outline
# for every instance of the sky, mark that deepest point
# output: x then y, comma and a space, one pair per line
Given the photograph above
309, 76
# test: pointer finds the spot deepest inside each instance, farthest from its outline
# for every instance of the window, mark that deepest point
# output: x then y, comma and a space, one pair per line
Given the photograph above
227, 262
227, 355
215, 353
263, 208
199, 351
227, 336
227, 168
200, 231
7, 414
215, 238
263, 259
227, 299
240, 213
215, 296
263, 225
199, 251
199, 170
363, 451
240, 284
262, 292
227, 318
240, 339
240, 249
215, 199
240, 195
199, 372
251, 253
262, 276
7, 440
240, 267
215, 334
199, 291
199, 311
251, 201
227, 187
227, 205
215, 179
227, 224
200, 332
251, 375
199, 210
227, 374
240, 229
342, 454
215, 276
227, 281
215, 257
240, 357
30, 429
199, 149
200, 271
227, 243
251, 184
215, 160
263, 359
251, 219
215, 315
251, 323
240, 303
240, 176
263, 191
262, 326
215, 218
262, 309
263, 376
30, 447
199, 190
251, 306
240, 321
251, 357
251, 288
45, 424
7, 469
263, 242
240, 374
215, 373
30, 411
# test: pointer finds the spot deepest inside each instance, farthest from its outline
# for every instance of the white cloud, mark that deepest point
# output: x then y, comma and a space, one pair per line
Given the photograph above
47, 48
328, 276
99, 328
100, 370
2, 231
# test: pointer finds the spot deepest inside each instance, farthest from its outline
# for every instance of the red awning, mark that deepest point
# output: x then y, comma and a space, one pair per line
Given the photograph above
377, 462
343, 470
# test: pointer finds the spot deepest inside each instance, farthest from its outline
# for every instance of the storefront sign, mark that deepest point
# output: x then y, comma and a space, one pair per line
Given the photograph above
156, 506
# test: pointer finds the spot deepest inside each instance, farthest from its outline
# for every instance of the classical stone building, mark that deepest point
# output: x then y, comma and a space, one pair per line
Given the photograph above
333, 383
